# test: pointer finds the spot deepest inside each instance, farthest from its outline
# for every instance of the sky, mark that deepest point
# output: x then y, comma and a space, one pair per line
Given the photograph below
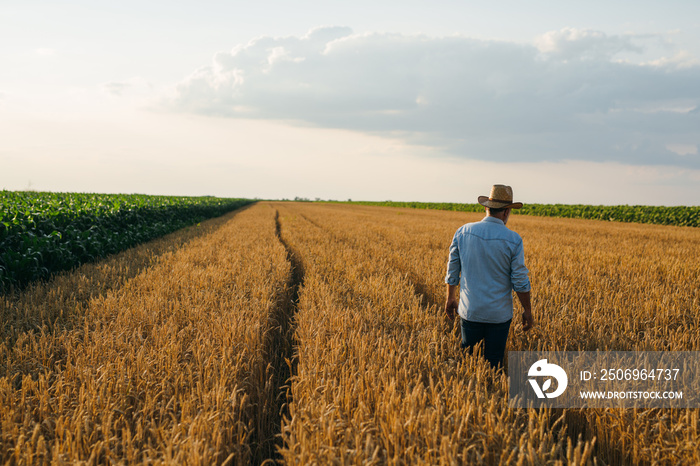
592, 102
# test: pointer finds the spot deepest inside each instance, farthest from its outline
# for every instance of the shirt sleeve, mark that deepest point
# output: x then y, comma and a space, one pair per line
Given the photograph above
454, 265
518, 271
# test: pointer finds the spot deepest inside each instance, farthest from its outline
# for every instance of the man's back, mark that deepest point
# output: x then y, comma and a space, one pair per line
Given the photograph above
490, 259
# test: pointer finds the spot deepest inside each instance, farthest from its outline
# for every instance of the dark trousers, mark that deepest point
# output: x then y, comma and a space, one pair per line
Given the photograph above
494, 337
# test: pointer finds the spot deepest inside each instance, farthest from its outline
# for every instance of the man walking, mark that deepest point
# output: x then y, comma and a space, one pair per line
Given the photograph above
486, 262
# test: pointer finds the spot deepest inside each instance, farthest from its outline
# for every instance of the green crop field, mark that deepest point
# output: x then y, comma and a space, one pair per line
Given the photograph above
660, 215
42, 232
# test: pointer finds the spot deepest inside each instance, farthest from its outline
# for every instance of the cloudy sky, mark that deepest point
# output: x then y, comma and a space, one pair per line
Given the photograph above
593, 102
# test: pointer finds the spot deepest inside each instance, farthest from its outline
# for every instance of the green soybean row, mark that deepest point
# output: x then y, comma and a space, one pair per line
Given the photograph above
42, 233
660, 215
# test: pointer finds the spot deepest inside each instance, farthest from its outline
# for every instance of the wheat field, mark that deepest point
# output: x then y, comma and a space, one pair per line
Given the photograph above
171, 363
307, 333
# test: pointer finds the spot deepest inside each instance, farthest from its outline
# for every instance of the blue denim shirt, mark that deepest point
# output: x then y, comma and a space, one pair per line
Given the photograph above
491, 261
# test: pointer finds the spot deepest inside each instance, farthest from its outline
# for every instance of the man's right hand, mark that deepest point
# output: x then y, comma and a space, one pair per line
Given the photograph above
527, 320
451, 306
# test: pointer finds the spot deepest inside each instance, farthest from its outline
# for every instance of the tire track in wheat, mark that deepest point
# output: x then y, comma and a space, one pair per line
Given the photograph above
175, 366
375, 381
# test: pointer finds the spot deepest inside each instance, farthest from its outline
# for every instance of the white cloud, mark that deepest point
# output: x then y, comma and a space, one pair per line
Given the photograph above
683, 149
565, 97
682, 59
583, 44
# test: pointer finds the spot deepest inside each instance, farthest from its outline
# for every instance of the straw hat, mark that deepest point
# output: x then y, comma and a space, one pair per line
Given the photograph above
501, 197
